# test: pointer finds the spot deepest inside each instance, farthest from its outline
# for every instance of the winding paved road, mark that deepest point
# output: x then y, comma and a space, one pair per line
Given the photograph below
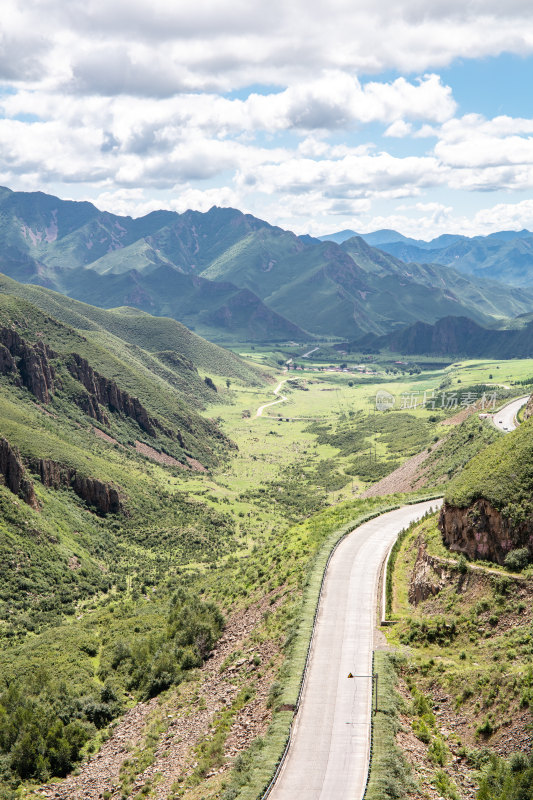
329, 753
505, 419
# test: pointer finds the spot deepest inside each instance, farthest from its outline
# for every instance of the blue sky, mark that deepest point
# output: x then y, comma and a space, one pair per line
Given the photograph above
315, 116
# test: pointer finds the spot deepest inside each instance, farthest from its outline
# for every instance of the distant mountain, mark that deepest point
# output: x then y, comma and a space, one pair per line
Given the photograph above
506, 256
377, 238
233, 277
339, 237
453, 336
428, 291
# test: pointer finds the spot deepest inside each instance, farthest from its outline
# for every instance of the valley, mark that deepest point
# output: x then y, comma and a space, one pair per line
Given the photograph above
266, 400
187, 606
169, 507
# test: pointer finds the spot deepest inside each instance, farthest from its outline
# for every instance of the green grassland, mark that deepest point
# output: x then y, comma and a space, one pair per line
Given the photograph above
492, 372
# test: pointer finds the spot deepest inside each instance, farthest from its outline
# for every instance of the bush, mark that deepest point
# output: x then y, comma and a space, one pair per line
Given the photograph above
517, 560
275, 692
510, 780
438, 752
485, 729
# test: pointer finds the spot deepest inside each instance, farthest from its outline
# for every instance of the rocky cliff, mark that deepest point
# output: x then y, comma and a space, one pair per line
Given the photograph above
481, 531
102, 496
13, 474
103, 391
28, 364
429, 576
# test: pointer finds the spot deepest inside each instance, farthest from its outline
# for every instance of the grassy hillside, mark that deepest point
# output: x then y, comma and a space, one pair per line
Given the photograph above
502, 474
134, 327
134, 370
95, 606
465, 686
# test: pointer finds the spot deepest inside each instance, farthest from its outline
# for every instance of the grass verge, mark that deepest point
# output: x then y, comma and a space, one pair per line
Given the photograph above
390, 775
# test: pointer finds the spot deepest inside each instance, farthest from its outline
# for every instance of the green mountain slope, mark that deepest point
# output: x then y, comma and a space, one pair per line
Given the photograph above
455, 336
135, 327
158, 387
444, 287
233, 277
220, 311
97, 445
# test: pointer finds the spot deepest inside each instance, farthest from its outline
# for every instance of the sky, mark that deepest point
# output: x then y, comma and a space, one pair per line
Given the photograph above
317, 116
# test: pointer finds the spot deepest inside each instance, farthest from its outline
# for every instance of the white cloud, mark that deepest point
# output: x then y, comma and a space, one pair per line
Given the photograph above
504, 216
399, 129
223, 45
353, 176
486, 155
434, 219
129, 100
135, 203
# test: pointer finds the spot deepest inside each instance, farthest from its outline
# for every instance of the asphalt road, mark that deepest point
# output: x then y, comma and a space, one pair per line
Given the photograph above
505, 419
329, 752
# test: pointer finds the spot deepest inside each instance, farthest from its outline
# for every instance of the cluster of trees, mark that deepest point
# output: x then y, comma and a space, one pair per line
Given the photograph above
153, 663
43, 729
44, 724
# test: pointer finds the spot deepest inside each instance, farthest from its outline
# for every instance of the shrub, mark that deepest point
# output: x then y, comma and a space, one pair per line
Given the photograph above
517, 560
485, 729
438, 752
274, 693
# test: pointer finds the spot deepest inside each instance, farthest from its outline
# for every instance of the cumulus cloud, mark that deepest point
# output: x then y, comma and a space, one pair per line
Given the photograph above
487, 155
399, 128
137, 100
226, 44
352, 176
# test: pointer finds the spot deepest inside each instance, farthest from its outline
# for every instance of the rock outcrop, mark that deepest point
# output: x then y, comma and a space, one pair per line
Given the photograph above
428, 578
104, 391
102, 496
481, 531
13, 474
28, 364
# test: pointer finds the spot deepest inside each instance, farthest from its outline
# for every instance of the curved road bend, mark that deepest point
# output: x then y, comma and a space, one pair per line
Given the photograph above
329, 753
505, 419
259, 412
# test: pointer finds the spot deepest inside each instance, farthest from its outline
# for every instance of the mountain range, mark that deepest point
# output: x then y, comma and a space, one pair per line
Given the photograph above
453, 336
506, 256
232, 277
